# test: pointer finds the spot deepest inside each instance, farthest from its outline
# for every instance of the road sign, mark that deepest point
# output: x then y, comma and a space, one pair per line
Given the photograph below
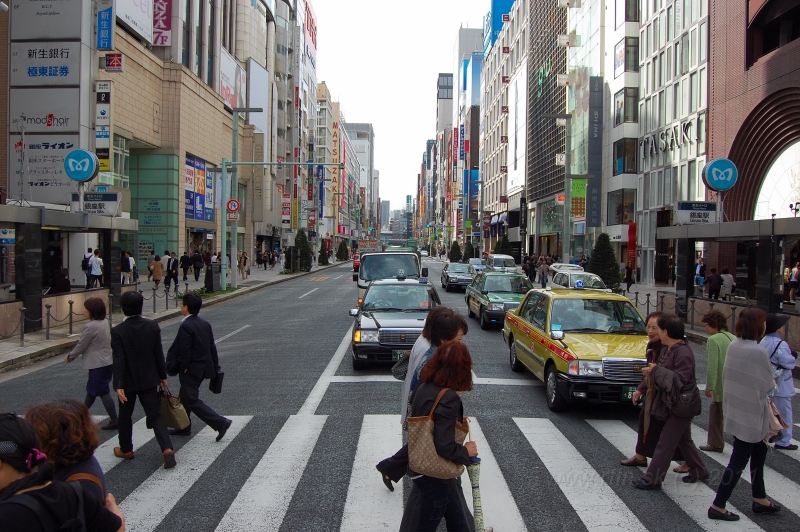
81, 165
233, 206
233, 216
720, 175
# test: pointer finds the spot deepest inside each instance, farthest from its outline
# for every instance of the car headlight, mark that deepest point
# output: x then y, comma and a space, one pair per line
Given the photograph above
452, 279
585, 368
365, 336
495, 306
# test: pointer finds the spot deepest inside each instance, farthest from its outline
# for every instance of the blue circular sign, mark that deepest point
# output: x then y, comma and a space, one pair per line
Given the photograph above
81, 165
578, 284
720, 175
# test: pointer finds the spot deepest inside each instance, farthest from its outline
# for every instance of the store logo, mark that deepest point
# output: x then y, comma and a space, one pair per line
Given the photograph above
78, 166
49, 120
103, 112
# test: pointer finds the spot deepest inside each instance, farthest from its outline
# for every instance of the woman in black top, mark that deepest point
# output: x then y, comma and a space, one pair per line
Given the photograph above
30, 501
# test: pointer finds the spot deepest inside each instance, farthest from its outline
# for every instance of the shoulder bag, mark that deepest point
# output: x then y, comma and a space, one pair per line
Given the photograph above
422, 455
171, 409
689, 403
400, 369
776, 423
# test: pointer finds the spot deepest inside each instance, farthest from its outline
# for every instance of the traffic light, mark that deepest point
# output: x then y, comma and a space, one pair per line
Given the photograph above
428, 226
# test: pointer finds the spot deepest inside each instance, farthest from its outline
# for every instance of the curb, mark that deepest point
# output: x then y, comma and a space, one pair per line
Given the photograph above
66, 345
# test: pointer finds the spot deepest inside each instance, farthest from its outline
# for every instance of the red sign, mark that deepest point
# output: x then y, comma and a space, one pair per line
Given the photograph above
504, 109
503, 199
113, 62
466, 145
162, 22
233, 205
505, 79
504, 169
504, 139
632, 244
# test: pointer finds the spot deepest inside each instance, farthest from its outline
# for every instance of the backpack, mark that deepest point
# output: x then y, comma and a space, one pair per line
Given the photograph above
85, 263
46, 519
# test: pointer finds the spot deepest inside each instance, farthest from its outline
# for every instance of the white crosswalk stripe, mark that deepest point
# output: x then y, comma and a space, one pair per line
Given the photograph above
154, 498
595, 502
694, 499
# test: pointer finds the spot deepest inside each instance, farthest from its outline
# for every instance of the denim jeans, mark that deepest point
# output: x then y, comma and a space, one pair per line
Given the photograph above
437, 499
756, 454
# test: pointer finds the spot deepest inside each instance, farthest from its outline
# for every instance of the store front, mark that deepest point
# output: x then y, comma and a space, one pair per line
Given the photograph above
550, 226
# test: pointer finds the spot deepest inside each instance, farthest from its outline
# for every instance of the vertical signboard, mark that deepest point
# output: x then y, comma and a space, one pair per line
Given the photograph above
461, 142
286, 211
257, 214
188, 184
106, 21
595, 155
321, 179
102, 130
35, 19
455, 148
209, 195
162, 22
199, 189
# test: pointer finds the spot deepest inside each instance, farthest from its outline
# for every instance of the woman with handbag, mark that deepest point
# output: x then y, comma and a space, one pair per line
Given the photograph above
747, 381
437, 452
783, 362
676, 400
442, 325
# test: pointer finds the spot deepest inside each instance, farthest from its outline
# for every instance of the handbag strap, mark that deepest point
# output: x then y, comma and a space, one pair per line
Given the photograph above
85, 476
435, 403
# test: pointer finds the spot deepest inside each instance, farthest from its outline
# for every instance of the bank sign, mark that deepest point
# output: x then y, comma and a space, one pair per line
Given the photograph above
696, 212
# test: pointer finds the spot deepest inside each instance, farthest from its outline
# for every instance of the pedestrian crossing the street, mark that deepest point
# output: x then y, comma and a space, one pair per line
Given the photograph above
267, 491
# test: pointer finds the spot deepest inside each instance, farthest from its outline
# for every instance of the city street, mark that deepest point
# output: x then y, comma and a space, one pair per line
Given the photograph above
308, 431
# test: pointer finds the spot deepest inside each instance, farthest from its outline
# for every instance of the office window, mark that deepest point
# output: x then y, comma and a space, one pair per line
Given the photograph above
667, 198
703, 45
187, 19
625, 156
694, 188
626, 11
701, 134
685, 53
198, 35
676, 97
668, 66
662, 71
693, 92
685, 96
631, 54
210, 42
626, 106
662, 108
621, 206
670, 24
693, 47
646, 192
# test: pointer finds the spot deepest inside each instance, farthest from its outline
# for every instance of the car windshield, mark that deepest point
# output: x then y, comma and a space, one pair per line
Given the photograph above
458, 268
387, 266
477, 262
589, 280
503, 263
595, 316
567, 267
398, 298
514, 285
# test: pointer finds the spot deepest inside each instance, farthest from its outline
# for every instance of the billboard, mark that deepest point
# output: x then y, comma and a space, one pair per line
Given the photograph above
517, 128
232, 80
30, 19
36, 167
258, 95
162, 22
46, 110
138, 16
310, 27
189, 187
44, 63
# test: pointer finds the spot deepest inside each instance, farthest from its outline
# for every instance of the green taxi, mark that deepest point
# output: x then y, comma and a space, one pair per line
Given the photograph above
492, 294
585, 345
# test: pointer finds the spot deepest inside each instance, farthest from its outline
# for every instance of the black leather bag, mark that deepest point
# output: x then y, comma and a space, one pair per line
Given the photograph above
689, 403
215, 384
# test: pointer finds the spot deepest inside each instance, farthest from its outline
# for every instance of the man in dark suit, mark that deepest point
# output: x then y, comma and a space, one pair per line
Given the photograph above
186, 263
139, 370
193, 357
172, 271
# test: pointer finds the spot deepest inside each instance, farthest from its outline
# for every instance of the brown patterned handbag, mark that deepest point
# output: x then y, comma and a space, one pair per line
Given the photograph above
422, 455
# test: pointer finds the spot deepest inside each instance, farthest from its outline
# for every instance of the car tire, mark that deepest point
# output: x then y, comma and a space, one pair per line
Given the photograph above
555, 400
516, 365
359, 364
484, 324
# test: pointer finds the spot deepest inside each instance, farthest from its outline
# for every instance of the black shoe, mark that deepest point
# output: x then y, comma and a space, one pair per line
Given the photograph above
386, 480
722, 516
111, 425
790, 447
224, 429
691, 479
759, 508
181, 432
642, 484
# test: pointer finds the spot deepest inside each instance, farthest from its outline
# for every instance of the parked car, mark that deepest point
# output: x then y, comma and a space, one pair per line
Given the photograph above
501, 263
390, 319
455, 275
491, 294
563, 266
586, 346
580, 280
477, 265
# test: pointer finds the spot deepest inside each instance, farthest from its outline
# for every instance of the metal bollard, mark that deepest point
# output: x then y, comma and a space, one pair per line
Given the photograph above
187, 288
711, 305
22, 326
648, 303
110, 310
166, 299
691, 322
176, 295
71, 302
662, 303
733, 318
47, 329
154, 300
636, 299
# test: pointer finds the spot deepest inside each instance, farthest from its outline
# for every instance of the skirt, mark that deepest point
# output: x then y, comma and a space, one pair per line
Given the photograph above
99, 378
648, 448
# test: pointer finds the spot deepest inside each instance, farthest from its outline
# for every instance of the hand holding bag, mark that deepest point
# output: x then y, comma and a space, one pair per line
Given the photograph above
776, 422
215, 384
422, 455
172, 410
400, 369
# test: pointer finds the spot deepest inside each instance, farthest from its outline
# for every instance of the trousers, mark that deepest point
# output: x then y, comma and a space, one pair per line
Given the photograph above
149, 400
756, 454
190, 398
677, 433
784, 406
432, 499
715, 420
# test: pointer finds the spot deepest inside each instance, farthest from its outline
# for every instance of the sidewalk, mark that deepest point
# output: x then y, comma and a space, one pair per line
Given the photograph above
38, 347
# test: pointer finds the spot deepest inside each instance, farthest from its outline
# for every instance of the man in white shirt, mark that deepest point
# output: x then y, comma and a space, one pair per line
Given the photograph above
96, 270
86, 258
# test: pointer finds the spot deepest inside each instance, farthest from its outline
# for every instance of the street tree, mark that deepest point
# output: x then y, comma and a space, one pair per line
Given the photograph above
303, 250
322, 259
604, 263
503, 246
469, 250
455, 252
342, 254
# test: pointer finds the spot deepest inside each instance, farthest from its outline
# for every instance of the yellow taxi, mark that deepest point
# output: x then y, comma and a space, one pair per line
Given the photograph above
585, 345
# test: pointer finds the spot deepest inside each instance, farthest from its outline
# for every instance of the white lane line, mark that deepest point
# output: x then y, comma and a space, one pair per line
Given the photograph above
475, 380
240, 329
99, 419
304, 295
694, 499
362, 378
499, 509
263, 500
781, 489
318, 392
153, 499
507, 382
338, 277
105, 453
369, 505
592, 499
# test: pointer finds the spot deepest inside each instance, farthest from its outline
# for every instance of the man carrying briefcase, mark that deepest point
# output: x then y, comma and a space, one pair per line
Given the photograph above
193, 357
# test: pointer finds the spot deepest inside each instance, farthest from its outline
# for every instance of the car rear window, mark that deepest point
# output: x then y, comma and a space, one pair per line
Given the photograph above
504, 263
589, 281
387, 266
407, 297
458, 268
514, 285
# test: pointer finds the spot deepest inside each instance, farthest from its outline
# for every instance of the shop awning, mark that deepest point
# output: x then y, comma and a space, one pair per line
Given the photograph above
494, 219
502, 218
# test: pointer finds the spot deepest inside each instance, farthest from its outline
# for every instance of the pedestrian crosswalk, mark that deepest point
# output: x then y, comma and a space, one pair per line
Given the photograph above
271, 483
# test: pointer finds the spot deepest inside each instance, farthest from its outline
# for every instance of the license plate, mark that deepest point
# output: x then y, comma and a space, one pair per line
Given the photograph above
397, 355
627, 393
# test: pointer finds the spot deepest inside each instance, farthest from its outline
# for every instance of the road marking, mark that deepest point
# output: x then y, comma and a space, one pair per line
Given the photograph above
691, 498
507, 382
338, 277
105, 453
263, 500
318, 392
99, 419
369, 505
304, 295
592, 499
499, 509
362, 378
781, 489
345, 379
317, 279
153, 499
240, 329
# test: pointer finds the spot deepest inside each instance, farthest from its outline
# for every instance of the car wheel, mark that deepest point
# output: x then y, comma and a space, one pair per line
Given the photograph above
484, 324
516, 365
555, 400
358, 364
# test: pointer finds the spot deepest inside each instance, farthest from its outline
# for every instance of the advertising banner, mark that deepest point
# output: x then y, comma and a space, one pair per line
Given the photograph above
517, 128
31, 19
40, 175
189, 187
286, 211
461, 142
258, 96
310, 27
455, 146
199, 189
632, 244
162, 22
106, 22
578, 190
44, 63
232, 80
102, 122
209, 195
138, 16
46, 110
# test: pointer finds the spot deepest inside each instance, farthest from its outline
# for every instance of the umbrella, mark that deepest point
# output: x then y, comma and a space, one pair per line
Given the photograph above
474, 472
648, 401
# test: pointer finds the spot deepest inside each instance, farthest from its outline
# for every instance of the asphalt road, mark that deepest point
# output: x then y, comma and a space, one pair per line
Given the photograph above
308, 430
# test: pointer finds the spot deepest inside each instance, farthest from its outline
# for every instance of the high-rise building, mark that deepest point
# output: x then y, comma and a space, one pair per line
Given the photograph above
385, 215
363, 137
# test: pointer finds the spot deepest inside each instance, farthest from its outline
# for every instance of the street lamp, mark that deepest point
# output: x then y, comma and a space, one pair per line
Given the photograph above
567, 237
794, 208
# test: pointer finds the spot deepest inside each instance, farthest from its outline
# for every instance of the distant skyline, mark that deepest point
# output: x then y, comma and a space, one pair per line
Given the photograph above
386, 73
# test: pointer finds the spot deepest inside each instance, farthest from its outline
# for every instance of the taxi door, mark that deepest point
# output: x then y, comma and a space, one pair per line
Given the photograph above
475, 295
538, 320
523, 340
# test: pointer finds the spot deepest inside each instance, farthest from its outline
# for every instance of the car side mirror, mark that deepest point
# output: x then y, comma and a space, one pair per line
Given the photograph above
424, 272
484, 292
355, 277
354, 312
557, 335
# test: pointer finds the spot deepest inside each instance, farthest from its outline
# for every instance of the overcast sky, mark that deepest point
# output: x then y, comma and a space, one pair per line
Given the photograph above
380, 60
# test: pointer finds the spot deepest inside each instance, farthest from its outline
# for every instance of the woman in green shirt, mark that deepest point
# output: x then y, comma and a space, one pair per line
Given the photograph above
717, 326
